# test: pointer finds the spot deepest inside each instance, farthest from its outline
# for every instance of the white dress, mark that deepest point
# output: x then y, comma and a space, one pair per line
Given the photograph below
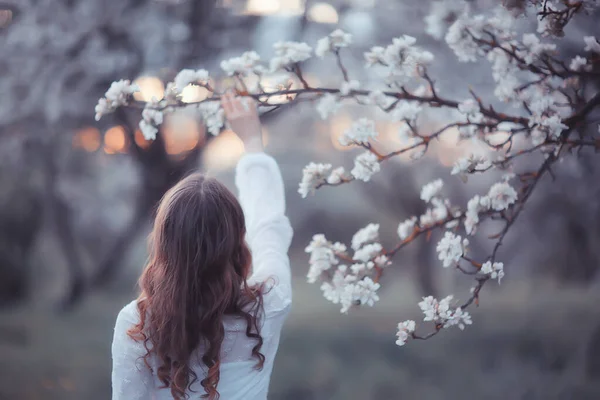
269, 234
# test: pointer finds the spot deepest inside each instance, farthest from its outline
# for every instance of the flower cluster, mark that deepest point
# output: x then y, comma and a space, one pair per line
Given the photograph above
333, 42
347, 286
119, 94
400, 60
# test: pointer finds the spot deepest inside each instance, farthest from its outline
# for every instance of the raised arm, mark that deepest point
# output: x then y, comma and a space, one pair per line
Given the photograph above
261, 194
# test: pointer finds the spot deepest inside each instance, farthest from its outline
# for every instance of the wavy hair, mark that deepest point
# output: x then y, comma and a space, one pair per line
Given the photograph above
196, 275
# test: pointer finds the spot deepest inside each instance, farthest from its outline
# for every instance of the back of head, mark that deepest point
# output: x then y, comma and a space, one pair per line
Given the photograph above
195, 276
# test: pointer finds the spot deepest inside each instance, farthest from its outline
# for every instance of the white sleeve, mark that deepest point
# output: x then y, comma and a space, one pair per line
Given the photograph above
269, 233
131, 378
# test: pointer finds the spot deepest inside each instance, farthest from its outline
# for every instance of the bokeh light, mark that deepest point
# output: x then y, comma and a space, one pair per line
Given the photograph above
323, 13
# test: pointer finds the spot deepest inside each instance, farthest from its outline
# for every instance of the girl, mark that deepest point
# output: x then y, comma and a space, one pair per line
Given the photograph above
216, 290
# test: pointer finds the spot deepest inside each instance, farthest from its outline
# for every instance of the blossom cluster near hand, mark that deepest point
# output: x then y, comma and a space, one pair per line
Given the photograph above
550, 98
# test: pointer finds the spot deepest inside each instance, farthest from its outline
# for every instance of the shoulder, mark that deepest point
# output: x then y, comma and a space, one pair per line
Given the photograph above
128, 315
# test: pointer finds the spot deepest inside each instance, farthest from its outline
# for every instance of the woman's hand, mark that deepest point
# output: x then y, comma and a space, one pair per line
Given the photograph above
242, 115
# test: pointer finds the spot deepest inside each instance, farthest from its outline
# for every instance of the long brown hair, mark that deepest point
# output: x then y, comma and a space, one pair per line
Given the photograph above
196, 274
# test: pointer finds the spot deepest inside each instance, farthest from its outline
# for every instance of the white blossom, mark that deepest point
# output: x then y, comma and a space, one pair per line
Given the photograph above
348, 87
288, 53
322, 257
369, 233
470, 109
431, 190
213, 116
149, 122
501, 196
243, 65
405, 229
312, 176
365, 165
495, 270
367, 252
434, 310
400, 59
335, 290
333, 42
591, 44
379, 99
475, 206
382, 261
451, 248
118, 94
359, 293
406, 111
405, 329
360, 132
458, 317
533, 48
438, 213
441, 14
328, 105
468, 165
336, 176
189, 76
460, 37
578, 63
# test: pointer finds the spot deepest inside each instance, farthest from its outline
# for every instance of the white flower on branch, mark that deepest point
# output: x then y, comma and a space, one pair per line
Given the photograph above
431, 190
405, 229
379, 99
434, 310
289, 53
367, 252
213, 116
405, 330
400, 59
328, 105
348, 87
151, 119
336, 176
363, 292
382, 261
333, 42
475, 206
242, 65
190, 77
365, 165
495, 270
369, 233
359, 133
335, 290
502, 195
406, 111
322, 257
468, 165
591, 44
504, 73
451, 248
533, 48
578, 63
313, 175
458, 317
460, 37
439, 212
118, 94
441, 14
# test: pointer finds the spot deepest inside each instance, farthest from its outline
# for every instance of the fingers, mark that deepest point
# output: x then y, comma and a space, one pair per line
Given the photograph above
236, 106
227, 103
